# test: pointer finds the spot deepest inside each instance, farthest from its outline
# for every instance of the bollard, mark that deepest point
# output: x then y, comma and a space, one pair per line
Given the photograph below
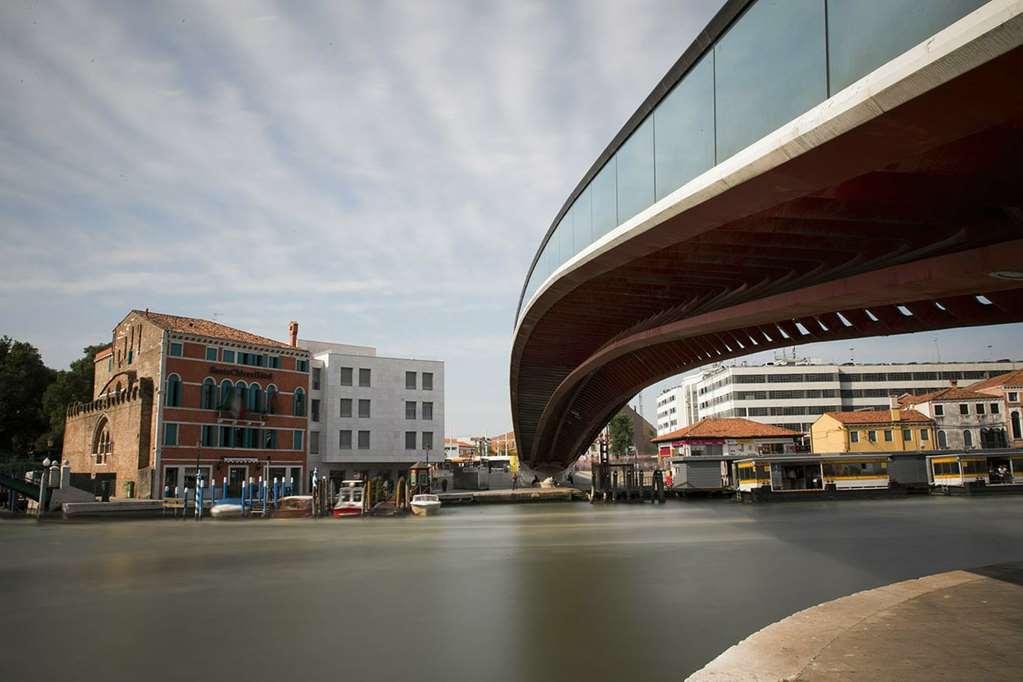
225, 488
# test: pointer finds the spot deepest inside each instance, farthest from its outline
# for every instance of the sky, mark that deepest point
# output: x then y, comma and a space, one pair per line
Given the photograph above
381, 172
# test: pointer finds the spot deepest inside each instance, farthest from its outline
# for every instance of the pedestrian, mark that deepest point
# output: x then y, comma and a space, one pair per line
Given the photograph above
515, 480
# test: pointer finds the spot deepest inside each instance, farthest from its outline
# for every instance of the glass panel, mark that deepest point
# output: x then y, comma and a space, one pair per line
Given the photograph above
684, 129
769, 68
604, 200
582, 232
864, 35
564, 232
636, 172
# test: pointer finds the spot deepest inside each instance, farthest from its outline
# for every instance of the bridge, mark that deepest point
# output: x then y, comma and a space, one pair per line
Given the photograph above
808, 170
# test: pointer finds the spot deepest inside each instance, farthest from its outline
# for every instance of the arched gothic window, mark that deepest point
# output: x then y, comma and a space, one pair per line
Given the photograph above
208, 394
226, 394
967, 439
173, 391
298, 403
241, 390
942, 440
271, 395
255, 398
101, 443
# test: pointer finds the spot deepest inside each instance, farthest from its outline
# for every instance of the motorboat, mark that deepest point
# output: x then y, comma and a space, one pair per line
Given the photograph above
226, 510
425, 505
349, 499
294, 506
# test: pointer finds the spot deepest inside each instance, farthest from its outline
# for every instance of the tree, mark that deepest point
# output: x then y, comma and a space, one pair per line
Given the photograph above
621, 434
23, 379
70, 386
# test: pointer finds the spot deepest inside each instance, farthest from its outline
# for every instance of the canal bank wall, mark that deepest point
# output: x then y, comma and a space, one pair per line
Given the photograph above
953, 625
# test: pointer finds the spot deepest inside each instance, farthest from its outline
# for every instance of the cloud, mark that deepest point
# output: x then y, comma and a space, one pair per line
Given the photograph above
380, 171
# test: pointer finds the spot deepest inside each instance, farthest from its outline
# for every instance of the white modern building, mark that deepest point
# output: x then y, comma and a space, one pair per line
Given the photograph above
371, 415
794, 393
677, 406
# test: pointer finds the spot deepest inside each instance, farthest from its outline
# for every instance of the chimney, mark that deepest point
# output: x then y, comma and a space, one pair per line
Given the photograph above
293, 333
893, 406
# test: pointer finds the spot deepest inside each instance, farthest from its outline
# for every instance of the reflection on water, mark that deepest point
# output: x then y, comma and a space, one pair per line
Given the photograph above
544, 592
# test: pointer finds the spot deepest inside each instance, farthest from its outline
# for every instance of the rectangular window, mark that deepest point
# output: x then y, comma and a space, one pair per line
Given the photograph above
1013, 396
410, 409
269, 439
364, 440
316, 378
427, 381
364, 378
345, 440
273, 361
226, 440
296, 440
939, 410
964, 408
227, 356
314, 442
854, 436
110, 363
410, 440
176, 349
872, 436
363, 408
170, 434
346, 376
888, 436
925, 435
211, 354
302, 365
428, 440
314, 412
979, 407
346, 407
131, 356
427, 410
209, 436
994, 408
410, 381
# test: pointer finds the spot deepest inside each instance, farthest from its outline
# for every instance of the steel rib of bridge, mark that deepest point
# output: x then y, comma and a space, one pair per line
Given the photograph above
934, 181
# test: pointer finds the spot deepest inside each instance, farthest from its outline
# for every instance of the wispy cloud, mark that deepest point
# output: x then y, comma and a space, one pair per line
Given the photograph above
380, 171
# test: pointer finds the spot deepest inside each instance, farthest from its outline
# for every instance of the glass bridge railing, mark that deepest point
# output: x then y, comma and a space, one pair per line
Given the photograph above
777, 60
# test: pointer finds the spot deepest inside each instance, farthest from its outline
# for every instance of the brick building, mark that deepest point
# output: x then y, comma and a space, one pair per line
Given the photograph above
171, 393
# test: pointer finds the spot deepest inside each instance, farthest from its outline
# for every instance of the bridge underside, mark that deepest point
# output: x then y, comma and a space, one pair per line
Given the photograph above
893, 227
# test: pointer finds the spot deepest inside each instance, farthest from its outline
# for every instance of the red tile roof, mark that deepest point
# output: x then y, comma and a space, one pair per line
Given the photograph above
878, 417
200, 327
711, 427
1007, 379
948, 393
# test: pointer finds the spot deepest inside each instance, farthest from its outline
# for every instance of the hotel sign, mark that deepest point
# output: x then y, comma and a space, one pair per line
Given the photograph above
239, 372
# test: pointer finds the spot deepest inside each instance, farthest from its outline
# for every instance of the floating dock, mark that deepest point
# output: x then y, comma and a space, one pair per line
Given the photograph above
511, 496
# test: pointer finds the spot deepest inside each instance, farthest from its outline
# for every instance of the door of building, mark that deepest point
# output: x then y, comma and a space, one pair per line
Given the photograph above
235, 477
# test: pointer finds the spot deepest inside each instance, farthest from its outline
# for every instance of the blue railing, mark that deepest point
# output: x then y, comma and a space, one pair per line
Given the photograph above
777, 60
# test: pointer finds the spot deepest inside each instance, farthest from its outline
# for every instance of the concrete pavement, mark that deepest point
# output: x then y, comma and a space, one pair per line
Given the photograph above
960, 625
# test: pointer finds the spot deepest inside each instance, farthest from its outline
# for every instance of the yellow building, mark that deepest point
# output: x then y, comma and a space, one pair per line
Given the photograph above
893, 430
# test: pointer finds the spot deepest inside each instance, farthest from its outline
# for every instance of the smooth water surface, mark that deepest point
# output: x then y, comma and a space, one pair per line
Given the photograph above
529, 592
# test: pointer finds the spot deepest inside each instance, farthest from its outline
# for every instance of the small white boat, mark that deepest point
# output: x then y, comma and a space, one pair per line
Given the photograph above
226, 511
425, 505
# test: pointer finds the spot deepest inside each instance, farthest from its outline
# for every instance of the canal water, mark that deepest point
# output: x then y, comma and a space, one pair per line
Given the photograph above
529, 592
